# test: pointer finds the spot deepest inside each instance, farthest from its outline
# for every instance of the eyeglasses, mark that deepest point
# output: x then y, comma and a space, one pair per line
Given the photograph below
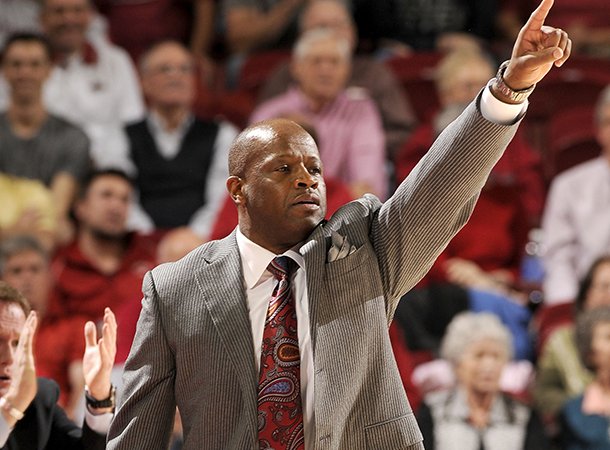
603, 286
168, 69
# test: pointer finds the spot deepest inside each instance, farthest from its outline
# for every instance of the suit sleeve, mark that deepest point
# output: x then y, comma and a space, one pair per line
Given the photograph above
145, 416
435, 200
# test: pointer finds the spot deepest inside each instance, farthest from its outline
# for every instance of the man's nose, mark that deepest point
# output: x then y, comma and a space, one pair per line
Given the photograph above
305, 179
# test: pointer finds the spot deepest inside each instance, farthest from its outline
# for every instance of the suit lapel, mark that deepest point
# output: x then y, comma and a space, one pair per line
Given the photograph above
221, 283
314, 253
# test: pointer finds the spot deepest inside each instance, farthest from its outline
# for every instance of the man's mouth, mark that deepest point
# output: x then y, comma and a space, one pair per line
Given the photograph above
307, 200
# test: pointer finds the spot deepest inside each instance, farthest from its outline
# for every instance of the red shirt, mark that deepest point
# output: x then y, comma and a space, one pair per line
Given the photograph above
57, 344
510, 202
81, 289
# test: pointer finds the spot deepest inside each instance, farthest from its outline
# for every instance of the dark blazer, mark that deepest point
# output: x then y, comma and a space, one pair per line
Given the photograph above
193, 347
46, 426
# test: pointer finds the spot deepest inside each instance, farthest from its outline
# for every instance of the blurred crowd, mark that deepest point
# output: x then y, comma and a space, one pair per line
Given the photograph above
115, 122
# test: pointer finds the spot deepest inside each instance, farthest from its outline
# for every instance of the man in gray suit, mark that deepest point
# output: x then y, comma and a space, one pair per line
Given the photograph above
198, 344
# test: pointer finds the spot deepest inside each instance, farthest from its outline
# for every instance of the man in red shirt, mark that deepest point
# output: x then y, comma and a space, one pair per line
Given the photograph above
105, 264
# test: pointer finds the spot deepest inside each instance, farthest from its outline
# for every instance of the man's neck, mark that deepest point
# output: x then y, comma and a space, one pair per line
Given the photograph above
315, 104
105, 254
171, 118
26, 118
62, 55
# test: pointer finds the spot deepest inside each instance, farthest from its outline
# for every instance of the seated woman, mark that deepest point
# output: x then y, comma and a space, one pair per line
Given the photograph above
561, 374
475, 414
585, 418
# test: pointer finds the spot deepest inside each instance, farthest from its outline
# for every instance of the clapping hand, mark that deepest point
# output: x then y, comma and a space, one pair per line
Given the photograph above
23, 387
99, 355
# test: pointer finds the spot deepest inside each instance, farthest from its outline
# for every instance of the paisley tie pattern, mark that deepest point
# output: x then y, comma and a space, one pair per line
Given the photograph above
280, 412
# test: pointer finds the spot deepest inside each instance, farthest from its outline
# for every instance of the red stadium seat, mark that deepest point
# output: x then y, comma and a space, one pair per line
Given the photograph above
570, 139
416, 74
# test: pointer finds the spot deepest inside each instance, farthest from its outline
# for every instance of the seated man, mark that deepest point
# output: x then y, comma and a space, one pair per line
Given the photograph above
34, 143
576, 220
29, 415
379, 81
347, 122
94, 83
105, 264
25, 265
180, 161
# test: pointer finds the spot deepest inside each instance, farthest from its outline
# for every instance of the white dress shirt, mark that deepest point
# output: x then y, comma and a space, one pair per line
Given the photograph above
576, 227
259, 284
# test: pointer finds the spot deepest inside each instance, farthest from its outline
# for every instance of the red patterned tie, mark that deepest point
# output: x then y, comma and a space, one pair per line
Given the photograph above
280, 412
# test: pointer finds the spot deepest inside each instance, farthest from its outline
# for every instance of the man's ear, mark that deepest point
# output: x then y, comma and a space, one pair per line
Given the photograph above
234, 186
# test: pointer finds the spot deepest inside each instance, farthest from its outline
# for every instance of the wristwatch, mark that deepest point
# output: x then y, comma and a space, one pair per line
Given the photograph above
108, 402
518, 96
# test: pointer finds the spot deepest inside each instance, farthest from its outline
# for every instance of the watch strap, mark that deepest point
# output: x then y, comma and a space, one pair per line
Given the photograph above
108, 402
517, 96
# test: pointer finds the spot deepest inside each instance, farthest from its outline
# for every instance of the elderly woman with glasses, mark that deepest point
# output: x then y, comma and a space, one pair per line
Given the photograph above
475, 414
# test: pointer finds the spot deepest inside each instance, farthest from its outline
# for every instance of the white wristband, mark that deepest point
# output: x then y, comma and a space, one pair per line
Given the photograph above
10, 409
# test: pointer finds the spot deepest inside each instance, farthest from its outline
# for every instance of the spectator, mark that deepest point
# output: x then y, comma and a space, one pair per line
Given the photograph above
180, 161
105, 264
476, 414
30, 417
561, 372
34, 143
346, 121
94, 83
486, 253
584, 418
396, 113
24, 264
576, 220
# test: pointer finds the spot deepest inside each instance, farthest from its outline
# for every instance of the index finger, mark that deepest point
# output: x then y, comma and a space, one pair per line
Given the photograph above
536, 20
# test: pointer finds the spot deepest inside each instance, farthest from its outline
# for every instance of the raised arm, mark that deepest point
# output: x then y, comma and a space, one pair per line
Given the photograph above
436, 199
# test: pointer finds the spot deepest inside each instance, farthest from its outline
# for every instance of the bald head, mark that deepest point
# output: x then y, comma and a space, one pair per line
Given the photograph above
259, 138
276, 183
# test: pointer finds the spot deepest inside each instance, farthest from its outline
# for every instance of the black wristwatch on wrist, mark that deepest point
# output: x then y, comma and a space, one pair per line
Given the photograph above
108, 402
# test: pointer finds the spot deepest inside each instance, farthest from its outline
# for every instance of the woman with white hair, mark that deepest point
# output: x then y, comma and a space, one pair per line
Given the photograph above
475, 414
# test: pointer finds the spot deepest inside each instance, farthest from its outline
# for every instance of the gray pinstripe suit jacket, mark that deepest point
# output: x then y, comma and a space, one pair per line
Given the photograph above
194, 344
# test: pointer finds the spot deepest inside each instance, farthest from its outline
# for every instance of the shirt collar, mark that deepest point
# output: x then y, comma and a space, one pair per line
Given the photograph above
156, 123
255, 259
87, 56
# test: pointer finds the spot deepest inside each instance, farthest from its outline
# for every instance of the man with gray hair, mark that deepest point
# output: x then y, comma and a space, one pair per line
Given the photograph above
346, 121
179, 161
379, 82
